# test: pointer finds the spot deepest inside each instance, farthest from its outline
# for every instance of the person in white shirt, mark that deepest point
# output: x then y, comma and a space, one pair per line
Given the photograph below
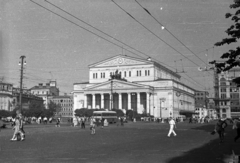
45, 120
92, 125
172, 125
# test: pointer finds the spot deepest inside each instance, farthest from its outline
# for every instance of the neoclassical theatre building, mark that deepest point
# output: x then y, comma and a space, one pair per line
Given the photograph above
145, 86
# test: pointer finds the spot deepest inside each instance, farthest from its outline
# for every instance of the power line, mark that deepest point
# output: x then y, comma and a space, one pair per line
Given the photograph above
154, 33
168, 30
103, 32
84, 28
101, 36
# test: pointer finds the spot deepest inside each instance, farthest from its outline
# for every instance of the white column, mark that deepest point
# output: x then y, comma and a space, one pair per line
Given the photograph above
93, 101
102, 101
147, 102
85, 100
152, 105
110, 101
120, 101
129, 101
138, 102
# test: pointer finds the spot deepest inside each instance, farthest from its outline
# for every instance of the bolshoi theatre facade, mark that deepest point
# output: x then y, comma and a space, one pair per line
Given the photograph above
145, 86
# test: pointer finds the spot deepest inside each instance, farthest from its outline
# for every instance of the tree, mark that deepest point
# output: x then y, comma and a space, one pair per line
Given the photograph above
119, 112
232, 56
53, 109
5, 113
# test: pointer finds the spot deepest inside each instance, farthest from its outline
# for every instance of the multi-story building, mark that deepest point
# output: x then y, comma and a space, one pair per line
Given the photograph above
227, 99
10, 97
6, 97
201, 103
212, 113
66, 103
147, 87
45, 91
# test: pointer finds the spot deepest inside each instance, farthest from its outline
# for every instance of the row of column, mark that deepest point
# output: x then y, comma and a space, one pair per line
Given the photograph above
119, 99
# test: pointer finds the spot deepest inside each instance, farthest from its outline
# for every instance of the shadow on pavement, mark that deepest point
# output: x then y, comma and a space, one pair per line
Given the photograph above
213, 151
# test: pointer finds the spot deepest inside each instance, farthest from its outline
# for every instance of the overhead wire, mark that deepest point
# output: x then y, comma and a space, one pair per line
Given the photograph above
84, 28
103, 32
153, 33
91, 31
168, 31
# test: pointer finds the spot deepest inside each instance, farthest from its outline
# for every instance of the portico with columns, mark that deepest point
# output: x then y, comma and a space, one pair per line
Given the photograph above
125, 96
145, 83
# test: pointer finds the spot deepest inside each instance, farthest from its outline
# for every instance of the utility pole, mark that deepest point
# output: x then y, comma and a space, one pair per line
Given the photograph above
111, 98
21, 78
161, 100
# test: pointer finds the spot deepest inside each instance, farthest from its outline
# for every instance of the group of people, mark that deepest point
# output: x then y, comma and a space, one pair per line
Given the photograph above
221, 126
18, 128
79, 121
199, 120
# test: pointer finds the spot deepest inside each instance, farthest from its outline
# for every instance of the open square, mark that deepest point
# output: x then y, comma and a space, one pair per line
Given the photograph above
133, 142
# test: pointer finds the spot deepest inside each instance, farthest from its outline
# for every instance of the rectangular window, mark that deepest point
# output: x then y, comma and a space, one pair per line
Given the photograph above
148, 72
96, 75
137, 73
145, 72
93, 75
223, 96
140, 73
125, 73
101, 75
129, 73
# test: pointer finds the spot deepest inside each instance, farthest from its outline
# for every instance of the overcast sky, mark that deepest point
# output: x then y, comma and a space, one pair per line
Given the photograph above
57, 49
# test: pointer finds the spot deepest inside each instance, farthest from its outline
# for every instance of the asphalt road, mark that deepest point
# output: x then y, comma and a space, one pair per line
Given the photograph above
140, 142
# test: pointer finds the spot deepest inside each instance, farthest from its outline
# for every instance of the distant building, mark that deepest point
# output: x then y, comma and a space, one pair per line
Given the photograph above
212, 113
6, 96
227, 99
129, 83
45, 91
201, 103
66, 103
9, 97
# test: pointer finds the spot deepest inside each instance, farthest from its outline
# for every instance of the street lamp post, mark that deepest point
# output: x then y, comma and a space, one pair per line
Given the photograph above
111, 98
21, 79
161, 100
178, 94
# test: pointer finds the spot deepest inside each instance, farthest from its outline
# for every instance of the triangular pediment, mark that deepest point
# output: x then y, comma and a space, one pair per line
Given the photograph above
120, 60
116, 84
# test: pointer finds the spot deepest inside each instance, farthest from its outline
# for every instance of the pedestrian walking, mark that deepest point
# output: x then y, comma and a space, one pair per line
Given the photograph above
172, 126
220, 128
121, 120
102, 122
58, 122
75, 121
236, 125
50, 120
45, 120
17, 129
92, 125
83, 123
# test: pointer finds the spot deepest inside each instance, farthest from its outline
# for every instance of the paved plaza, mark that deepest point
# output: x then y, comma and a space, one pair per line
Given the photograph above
139, 142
